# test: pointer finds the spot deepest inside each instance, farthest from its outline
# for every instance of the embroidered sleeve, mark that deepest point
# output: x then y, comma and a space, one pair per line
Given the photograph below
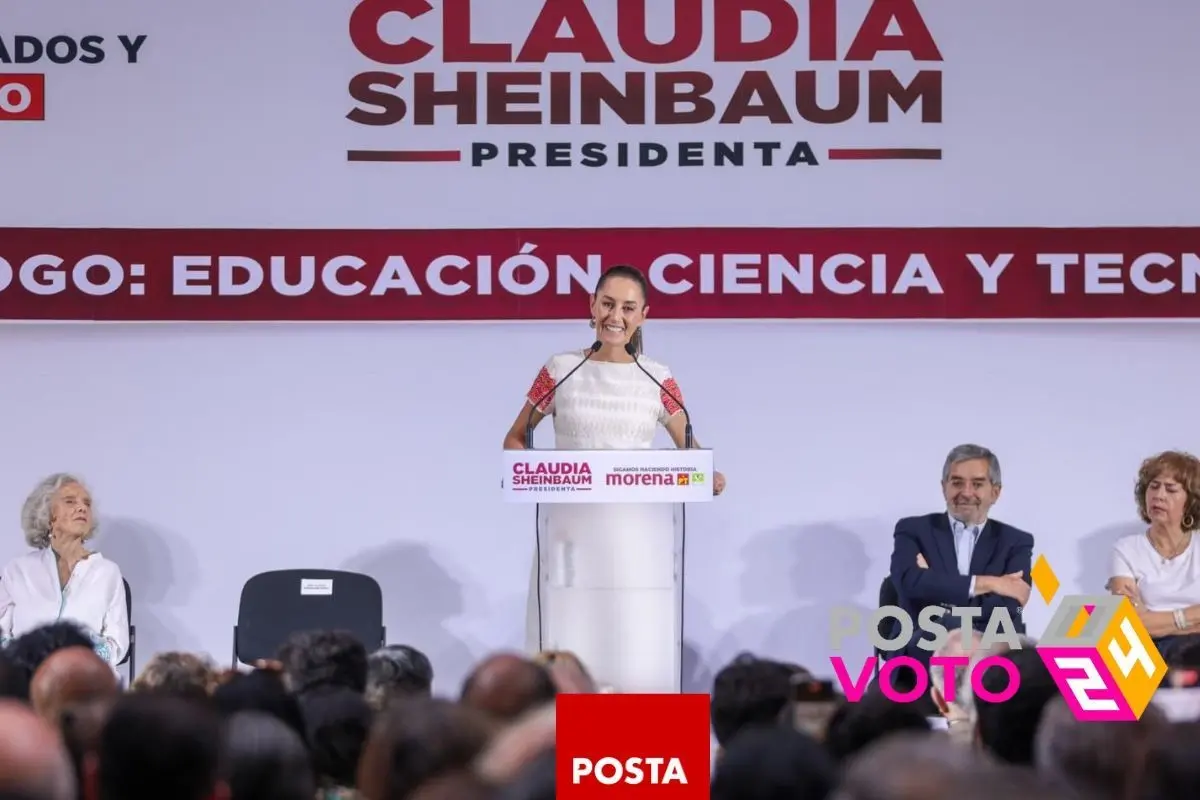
671, 397
540, 394
103, 647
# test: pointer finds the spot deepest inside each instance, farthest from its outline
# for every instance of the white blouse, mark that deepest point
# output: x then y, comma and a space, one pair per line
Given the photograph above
94, 597
1164, 585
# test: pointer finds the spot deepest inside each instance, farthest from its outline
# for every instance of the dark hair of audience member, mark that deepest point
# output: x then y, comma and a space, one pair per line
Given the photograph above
854, 726
158, 746
260, 690
80, 726
14, 681
510, 690
324, 659
769, 763
397, 670
264, 759
337, 723
1007, 729
535, 781
27, 652
905, 679
749, 691
418, 739
462, 784
1172, 768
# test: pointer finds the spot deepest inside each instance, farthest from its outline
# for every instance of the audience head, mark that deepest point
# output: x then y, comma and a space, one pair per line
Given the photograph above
749, 691
1095, 759
876, 716
60, 504
566, 669
507, 685
80, 726
1007, 729
337, 723
768, 763
518, 745
322, 659
1172, 770
157, 746
27, 652
70, 676
1168, 491
263, 759
260, 690
418, 739
971, 482
33, 761
397, 670
179, 674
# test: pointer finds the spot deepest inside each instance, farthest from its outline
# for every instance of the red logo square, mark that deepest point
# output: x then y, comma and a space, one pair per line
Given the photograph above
23, 97
632, 745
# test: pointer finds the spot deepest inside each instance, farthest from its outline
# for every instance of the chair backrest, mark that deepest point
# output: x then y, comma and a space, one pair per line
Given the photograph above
277, 604
129, 618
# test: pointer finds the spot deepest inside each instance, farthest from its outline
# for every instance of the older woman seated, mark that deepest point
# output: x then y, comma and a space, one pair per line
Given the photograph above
1159, 570
61, 579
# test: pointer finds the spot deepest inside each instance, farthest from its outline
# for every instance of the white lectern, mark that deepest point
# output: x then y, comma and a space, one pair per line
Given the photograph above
611, 534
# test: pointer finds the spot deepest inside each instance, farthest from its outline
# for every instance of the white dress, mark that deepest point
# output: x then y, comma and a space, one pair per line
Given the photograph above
605, 585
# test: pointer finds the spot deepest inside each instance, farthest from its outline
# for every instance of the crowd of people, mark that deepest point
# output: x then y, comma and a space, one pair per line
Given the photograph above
328, 719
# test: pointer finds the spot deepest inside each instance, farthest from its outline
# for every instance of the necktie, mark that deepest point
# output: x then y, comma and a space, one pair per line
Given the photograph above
966, 543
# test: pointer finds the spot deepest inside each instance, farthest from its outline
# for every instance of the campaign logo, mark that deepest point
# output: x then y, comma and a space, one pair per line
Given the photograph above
682, 478
23, 97
632, 745
1099, 653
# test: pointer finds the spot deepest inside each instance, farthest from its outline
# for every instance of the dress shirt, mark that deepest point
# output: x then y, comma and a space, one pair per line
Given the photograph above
965, 537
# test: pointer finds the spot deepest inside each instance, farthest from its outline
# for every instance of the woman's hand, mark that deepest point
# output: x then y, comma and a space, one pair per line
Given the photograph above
1126, 587
70, 550
718, 483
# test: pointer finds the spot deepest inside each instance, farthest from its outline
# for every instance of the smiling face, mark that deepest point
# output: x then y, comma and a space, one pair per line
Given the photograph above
1166, 500
969, 491
618, 309
71, 512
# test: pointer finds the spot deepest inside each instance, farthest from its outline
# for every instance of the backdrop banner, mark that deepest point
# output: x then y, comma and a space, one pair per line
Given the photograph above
546, 274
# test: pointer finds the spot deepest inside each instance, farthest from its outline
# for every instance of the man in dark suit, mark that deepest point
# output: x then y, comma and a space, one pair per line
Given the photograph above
960, 557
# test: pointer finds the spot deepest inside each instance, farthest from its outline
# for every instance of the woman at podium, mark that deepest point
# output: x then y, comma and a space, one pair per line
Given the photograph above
606, 581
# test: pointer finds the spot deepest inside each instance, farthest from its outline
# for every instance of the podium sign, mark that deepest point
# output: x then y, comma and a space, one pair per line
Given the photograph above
607, 476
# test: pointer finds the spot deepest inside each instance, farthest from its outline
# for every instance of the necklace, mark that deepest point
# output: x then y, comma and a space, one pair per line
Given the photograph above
1183, 545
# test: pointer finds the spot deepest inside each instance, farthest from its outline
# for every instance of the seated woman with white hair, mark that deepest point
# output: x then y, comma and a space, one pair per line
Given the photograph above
61, 579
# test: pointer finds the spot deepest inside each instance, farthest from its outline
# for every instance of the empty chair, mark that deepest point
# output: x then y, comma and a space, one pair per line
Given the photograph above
277, 604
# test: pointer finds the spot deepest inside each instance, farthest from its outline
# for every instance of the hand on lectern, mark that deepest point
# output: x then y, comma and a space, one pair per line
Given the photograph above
718, 483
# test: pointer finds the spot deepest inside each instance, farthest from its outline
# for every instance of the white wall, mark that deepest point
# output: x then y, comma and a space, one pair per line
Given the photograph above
219, 451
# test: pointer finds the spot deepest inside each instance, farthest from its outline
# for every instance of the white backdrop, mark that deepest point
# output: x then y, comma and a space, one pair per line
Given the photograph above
221, 451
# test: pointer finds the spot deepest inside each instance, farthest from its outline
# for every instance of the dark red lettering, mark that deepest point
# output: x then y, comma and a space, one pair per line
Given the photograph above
809, 107
728, 44
913, 36
597, 92
755, 96
457, 46
673, 88
364, 31
364, 89
501, 96
884, 88
585, 38
464, 97
822, 30
684, 42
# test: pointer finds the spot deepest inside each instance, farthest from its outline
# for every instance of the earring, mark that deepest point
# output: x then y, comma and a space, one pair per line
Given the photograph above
591, 323
1189, 522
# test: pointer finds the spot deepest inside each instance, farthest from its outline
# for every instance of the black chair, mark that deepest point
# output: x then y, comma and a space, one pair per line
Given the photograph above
277, 604
888, 596
130, 654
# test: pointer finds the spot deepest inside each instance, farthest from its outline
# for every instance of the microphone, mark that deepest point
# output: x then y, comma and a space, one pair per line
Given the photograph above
595, 348
687, 418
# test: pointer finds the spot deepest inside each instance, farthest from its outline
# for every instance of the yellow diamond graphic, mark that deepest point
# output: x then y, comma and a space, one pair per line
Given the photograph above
1044, 579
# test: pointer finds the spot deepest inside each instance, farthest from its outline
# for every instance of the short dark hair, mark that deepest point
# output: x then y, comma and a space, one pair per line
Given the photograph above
154, 746
1007, 729
397, 670
749, 691
27, 652
313, 659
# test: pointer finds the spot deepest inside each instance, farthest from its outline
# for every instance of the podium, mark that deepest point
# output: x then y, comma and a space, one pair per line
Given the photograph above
611, 533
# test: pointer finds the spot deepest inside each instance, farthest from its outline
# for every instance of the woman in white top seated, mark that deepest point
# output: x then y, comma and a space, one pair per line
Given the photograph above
61, 579
1159, 570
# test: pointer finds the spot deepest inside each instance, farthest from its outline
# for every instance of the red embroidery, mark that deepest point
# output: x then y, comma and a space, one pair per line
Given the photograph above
669, 403
538, 392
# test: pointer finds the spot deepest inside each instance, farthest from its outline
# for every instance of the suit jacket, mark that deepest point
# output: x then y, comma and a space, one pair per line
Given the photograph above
1000, 550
